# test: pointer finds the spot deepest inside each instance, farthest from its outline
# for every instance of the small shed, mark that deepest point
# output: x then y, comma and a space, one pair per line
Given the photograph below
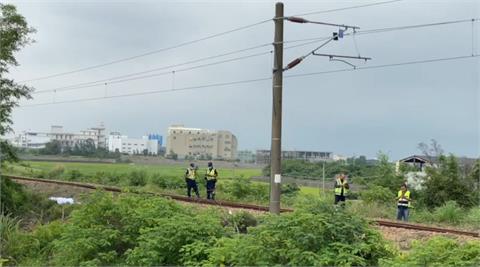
419, 162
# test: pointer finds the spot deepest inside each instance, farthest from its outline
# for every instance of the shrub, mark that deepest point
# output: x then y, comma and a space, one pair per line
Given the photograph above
473, 217
290, 189
313, 236
161, 245
9, 232
74, 175
378, 194
137, 178
167, 182
104, 228
12, 197
241, 221
450, 212
438, 251
242, 188
447, 183
56, 171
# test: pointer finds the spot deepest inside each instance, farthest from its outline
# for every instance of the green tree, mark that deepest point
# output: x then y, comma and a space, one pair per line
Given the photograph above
52, 148
446, 183
384, 175
14, 34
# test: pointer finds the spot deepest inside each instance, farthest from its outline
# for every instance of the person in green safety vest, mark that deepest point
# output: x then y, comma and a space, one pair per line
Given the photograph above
190, 179
211, 176
341, 188
403, 203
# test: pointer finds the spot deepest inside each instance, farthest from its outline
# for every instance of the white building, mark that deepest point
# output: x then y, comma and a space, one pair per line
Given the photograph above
123, 144
30, 139
95, 135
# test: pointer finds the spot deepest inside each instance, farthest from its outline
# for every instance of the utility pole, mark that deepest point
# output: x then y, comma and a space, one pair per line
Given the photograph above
277, 80
323, 178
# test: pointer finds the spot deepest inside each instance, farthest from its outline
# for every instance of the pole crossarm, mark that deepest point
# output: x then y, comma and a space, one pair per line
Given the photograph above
302, 20
341, 56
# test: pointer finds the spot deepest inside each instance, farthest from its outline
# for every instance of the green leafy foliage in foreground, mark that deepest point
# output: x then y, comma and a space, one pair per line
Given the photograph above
438, 251
139, 230
314, 235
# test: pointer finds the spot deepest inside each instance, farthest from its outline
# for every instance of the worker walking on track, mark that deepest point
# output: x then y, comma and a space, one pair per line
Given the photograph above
341, 189
211, 178
190, 179
403, 203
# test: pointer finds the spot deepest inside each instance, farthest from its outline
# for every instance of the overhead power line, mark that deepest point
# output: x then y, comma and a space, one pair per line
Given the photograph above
306, 41
396, 28
425, 61
60, 89
347, 8
193, 42
148, 53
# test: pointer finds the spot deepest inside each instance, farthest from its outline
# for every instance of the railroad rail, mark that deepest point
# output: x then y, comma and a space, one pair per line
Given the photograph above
237, 205
220, 203
418, 227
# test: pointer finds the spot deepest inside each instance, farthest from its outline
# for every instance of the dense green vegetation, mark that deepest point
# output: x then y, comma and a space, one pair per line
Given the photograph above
438, 251
85, 149
142, 230
355, 167
138, 230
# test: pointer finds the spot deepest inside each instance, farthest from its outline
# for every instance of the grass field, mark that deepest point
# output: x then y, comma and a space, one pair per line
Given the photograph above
92, 168
34, 168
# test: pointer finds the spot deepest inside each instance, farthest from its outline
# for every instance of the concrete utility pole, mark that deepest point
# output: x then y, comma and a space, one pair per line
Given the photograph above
277, 79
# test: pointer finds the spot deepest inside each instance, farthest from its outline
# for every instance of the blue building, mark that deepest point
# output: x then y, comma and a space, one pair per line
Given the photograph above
157, 137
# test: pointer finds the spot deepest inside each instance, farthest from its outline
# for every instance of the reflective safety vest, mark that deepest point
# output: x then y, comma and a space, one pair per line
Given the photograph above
403, 199
339, 185
211, 174
191, 174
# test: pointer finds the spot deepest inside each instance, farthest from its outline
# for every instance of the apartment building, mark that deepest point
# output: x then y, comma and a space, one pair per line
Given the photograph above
201, 143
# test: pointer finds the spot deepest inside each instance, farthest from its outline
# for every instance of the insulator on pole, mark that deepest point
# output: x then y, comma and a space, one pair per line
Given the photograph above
297, 20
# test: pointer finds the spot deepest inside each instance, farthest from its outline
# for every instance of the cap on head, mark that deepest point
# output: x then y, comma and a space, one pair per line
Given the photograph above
210, 164
192, 165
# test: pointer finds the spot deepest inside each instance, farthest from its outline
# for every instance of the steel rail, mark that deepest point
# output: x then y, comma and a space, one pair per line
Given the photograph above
168, 195
230, 204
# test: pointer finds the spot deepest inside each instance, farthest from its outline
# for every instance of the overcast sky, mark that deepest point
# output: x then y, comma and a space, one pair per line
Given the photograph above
350, 113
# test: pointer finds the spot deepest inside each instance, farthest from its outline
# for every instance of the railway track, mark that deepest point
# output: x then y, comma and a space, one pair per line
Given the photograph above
221, 203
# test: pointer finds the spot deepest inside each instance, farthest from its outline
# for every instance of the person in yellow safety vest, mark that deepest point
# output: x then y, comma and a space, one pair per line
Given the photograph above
341, 188
190, 179
403, 203
211, 176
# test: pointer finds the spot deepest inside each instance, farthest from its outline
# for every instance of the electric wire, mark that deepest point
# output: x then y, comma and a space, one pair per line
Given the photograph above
147, 53
256, 80
193, 42
310, 41
347, 8
118, 79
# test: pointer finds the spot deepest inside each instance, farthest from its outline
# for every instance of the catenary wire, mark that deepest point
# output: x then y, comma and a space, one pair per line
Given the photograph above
193, 41
311, 41
256, 80
347, 8
119, 79
147, 53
